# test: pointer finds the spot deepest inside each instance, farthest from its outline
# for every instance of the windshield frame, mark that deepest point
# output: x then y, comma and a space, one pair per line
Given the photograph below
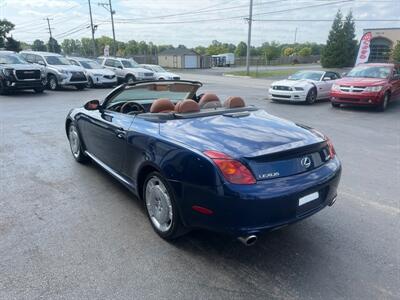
133, 64
19, 60
110, 97
321, 73
90, 62
60, 58
360, 68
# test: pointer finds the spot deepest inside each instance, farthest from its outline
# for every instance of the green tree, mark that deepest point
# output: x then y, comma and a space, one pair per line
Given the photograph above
288, 51
12, 44
349, 41
306, 51
270, 51
53, 46
332, 55
396, 52
241, 49
200, 49
38, 45
5, 28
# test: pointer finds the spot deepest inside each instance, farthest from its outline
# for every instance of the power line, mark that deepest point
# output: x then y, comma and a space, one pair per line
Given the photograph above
108, 6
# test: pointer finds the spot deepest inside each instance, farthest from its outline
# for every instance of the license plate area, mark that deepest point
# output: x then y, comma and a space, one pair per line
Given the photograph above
310, 202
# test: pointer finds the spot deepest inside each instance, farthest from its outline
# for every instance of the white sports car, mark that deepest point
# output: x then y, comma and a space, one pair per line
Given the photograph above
304, 86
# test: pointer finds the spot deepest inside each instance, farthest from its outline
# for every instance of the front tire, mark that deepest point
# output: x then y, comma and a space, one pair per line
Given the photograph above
90, 83
161, 207
382, 107
130, 79
76, 145
52, 82
311, 96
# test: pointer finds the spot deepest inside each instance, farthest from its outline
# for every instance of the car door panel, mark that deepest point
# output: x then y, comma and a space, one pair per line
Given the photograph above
105, 136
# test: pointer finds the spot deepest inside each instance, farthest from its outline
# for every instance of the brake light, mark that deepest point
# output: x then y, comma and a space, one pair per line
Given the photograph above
331, 149
232, 170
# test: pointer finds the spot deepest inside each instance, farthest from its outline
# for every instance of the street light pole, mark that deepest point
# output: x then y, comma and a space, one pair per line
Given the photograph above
91, 26
250, 20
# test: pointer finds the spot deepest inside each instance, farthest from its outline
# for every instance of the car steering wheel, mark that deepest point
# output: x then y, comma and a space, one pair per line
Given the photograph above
132, 108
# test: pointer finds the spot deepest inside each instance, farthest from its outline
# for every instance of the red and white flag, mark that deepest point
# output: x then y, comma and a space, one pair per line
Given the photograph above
363, 52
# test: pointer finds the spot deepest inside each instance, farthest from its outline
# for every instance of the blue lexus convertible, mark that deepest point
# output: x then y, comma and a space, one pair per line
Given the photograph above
199, 162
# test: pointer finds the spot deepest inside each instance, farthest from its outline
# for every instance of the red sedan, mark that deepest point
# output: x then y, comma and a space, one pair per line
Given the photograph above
368, 85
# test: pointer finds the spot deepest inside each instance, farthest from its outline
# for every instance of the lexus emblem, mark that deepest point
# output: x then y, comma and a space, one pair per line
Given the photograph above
306, 162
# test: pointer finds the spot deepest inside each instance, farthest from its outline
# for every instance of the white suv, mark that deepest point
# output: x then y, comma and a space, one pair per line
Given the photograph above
127, 70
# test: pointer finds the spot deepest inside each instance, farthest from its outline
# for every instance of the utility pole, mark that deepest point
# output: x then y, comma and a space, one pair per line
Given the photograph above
92, 27
48, 24
108, 7
295, 36
250, 20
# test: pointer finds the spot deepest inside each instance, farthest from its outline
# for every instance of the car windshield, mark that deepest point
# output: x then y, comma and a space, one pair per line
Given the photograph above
147, 93
129, 63
89, 64
316, 76
370, 72
57, 60
11, 59
158, 69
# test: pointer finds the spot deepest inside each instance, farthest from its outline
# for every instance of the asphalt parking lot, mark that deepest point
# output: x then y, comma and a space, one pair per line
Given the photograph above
69, 231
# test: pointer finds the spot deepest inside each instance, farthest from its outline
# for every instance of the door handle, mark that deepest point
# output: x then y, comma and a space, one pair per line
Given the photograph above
120, 133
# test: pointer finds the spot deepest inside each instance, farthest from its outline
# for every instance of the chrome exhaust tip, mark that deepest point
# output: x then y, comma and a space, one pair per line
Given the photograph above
248, 240
333, 201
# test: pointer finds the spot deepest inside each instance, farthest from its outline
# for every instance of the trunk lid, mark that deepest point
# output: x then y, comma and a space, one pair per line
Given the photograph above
271, 147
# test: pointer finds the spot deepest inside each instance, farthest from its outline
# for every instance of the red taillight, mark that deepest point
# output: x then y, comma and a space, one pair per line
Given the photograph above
233, 170
332, 151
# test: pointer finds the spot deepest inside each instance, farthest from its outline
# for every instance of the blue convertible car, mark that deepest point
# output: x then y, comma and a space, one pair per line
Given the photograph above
199, 163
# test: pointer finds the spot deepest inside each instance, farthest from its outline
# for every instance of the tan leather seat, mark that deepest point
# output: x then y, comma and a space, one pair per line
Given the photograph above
162, 105
234, 102
187, 106
209, 100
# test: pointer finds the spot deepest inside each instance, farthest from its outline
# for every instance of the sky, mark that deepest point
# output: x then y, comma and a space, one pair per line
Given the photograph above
193, 22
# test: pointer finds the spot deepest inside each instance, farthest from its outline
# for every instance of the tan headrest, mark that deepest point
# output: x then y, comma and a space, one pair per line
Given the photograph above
234, 102
187, 106
162, 105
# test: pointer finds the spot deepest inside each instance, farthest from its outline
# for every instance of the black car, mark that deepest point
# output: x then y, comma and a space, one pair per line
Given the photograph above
18, 74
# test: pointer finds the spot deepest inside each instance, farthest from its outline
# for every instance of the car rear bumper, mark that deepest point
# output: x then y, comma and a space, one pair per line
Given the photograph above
241, 210
295, 96
357, 99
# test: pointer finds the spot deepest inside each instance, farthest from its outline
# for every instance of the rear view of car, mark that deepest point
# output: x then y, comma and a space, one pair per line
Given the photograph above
17, 74
371, 85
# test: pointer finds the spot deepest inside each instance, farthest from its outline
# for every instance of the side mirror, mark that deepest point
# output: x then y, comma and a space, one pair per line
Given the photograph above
92, 105
119, 67
41, 62
344, 74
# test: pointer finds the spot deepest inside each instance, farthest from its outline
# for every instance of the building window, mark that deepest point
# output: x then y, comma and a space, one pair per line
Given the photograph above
380, 49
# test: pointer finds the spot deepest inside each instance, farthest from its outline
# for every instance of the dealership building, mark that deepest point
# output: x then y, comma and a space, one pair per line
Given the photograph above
382, 42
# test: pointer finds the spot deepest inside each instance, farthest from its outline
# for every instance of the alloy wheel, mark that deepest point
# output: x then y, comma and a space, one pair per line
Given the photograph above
158, 204
74, 141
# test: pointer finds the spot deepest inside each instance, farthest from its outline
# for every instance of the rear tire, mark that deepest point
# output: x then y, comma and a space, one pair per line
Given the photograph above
311, 96
52, 82
75, 144
161, 207
382, 107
